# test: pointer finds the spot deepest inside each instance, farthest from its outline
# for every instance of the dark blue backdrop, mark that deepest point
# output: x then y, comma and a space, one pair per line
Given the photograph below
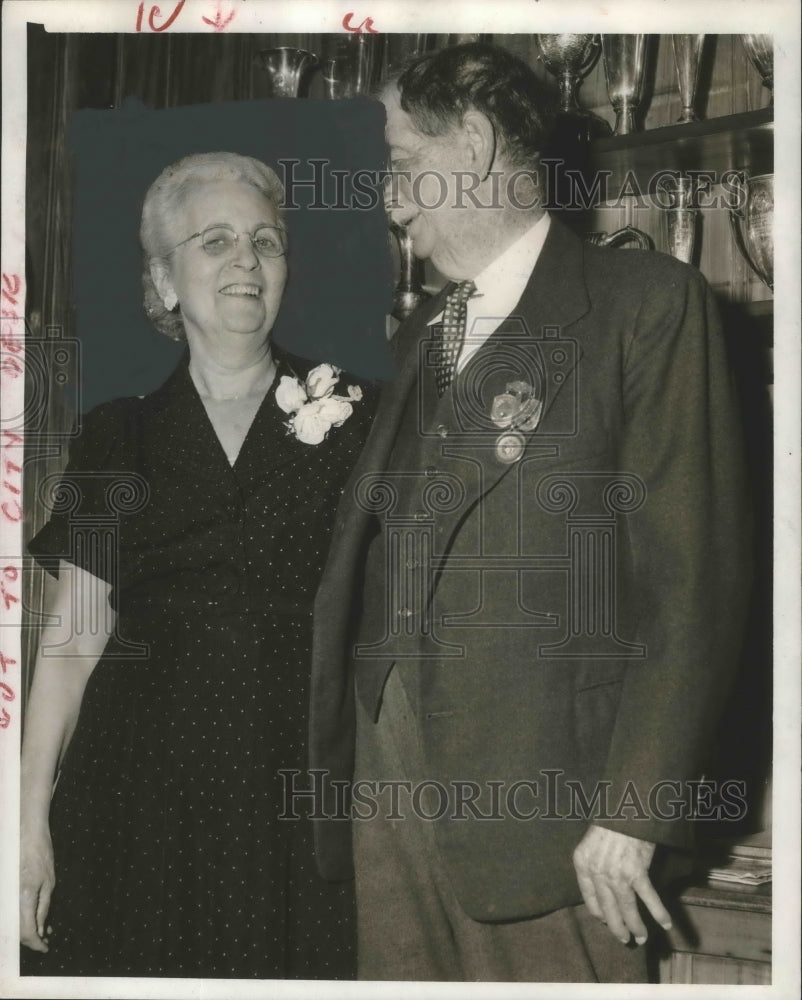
339, 287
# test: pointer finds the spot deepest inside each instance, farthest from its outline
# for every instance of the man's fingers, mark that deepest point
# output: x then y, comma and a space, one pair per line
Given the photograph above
652, 901
628, 907
588, 890
611, 911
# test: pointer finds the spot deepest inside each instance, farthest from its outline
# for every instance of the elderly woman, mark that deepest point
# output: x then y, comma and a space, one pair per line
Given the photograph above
172, 728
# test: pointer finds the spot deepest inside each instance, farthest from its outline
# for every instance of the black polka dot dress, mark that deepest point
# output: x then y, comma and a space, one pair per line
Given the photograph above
173, 848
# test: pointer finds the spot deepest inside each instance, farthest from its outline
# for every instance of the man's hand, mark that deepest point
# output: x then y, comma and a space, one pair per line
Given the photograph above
611, 869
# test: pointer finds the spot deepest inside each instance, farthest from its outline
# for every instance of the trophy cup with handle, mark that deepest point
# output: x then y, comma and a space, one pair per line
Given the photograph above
624, 65
569, 58
760, 49
752, 224
288, 70
629, 234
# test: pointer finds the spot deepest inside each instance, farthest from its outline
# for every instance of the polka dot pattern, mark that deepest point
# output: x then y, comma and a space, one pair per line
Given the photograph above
171, 856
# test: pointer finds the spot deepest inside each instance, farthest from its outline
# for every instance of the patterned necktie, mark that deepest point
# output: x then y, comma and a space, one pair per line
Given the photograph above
452, 334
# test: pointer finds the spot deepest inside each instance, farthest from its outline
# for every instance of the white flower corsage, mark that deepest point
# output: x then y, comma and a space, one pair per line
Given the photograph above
313, 407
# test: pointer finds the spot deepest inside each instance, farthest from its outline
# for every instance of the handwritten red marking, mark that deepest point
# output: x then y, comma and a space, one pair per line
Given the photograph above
12, 281
6, 662
367, 24
11, 439
155, 12
11, 367
220, 23
10, 341
6, 692
5, 719
11, 513
8, 597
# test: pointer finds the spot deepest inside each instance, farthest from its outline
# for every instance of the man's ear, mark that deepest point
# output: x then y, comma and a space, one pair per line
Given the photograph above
160, 273
481, 136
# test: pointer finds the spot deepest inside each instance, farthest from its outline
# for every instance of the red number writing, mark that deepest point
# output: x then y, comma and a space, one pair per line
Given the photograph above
156, 12
11, 367
367, 24
11, 511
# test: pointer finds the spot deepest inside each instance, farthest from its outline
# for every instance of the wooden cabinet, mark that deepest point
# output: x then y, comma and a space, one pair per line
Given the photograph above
721, 935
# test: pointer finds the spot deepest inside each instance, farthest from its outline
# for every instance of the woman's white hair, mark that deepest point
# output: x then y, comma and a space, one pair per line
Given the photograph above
163, 204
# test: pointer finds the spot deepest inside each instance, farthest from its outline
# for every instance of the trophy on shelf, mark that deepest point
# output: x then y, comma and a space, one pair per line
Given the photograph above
569, 58
288, 70
464, 39
687, 58
403, 48
409, 291
680, 214
624, 64
760, 50
752, 224
350, 64
629, 234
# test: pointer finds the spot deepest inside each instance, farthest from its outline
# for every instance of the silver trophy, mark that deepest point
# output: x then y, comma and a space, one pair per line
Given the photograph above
752, 224
624, 65
409, 292
288, 70
681, 215
629, 234
760, 49
402, 48
350, 64
569, 58
687, 58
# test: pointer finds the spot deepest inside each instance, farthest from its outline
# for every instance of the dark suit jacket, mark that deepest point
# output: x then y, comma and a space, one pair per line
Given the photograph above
635, 470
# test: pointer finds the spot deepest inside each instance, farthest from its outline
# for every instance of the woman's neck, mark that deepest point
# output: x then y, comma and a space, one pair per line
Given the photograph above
231, 374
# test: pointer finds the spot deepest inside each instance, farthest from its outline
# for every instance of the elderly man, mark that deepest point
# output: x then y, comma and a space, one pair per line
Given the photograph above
532, 599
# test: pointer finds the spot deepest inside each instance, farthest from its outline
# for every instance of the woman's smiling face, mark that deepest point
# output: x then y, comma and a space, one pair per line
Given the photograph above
239, 291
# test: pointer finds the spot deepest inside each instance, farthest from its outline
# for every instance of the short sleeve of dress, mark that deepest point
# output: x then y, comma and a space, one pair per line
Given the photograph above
84, 501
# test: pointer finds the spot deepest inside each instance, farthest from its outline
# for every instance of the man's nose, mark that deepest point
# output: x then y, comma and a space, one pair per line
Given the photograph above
398, 203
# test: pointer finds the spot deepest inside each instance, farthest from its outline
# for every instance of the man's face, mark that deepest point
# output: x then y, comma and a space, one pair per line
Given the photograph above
425, 197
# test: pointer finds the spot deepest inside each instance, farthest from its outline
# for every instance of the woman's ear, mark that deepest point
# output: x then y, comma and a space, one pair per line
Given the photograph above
160, 273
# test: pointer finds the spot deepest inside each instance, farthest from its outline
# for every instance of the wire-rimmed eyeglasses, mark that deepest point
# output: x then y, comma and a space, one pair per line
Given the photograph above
221, 240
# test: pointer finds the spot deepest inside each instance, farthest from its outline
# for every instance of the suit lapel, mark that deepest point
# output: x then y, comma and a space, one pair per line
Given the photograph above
554, 298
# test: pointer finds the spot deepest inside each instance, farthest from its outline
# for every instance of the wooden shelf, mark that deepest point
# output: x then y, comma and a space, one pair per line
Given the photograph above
742, 142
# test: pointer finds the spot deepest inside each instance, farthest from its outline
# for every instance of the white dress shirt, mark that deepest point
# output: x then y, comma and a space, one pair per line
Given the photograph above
499, 288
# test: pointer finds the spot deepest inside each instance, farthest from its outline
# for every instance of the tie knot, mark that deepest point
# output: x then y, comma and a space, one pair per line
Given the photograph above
462, 292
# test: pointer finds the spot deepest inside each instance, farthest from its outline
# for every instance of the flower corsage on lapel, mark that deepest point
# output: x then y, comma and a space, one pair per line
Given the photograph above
515, 410
312, 404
